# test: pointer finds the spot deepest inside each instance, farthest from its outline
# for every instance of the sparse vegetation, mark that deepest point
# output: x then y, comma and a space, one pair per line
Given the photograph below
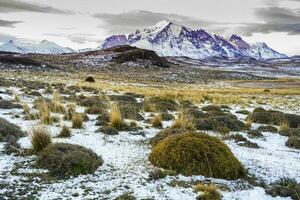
293, 142
184, 122
268, 128
158, 173
285, 187
65, 132
156, 121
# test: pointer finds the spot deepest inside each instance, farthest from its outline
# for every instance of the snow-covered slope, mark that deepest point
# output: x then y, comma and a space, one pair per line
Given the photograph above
44, 47
169, 39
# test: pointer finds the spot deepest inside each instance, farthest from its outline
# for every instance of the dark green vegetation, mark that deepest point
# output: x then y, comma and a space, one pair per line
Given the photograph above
160, 104
267, 128
274, 117
293, 142
125, 196
5, 104
107, 130
285, 187
196, 154
64, 160
242, 141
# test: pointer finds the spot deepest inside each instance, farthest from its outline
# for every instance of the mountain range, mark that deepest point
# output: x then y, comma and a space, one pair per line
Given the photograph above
169, 39
44, 47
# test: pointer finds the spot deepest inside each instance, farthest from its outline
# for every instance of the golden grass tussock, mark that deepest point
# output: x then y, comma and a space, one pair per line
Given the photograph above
44, 113
184, 121
77, 121
40, 138
116, 119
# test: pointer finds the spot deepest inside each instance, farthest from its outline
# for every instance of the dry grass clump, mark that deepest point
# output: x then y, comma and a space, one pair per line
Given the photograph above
70, 111
208, 192
40, 138
44, 113
156, 121
77, 121
56, 104
116, 120
196, 154
184, 121
29, 115
65, 132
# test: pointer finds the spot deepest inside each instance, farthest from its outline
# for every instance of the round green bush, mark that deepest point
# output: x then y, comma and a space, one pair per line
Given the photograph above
64, 160
196, 154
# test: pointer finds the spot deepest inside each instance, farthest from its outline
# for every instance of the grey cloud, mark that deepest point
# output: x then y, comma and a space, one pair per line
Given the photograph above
5, 23
274, 19
77, 38
6, 37
130, 21
7, 6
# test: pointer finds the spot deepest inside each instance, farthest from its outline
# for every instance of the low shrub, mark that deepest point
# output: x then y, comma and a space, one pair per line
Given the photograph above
211, 108
44, 113
268, 128
40, 138
71, 110
65, 132
64, 160
242, 141
159, 104
166, 116
103, 119
126, 196
293, 142
165, 133
285, 187
90, 79
10, 132
107, 130
196, 154
255, 134
94, 110
208, 192
5, 104
289, 131
77, 121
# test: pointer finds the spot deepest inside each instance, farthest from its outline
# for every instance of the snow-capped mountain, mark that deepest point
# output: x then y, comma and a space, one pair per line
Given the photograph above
44, 47
169, 39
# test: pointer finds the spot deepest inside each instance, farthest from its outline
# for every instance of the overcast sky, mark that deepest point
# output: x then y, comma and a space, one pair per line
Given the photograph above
85, 23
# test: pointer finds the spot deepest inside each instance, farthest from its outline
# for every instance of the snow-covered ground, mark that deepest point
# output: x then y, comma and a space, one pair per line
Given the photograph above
126, 166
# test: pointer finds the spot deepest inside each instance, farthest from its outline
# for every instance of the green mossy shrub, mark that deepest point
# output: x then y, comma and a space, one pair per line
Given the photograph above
293, 142
274, 117
254, 134
126, 196
158, 173
160, 104
290, 131
195, 113
285, 187
208, 192
196, 154
165, 133
107, 130
5, 104
64, 160
268, 128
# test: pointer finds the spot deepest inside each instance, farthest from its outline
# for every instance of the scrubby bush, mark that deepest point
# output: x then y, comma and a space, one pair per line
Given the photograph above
159, 104
77, 121
8, 130
90, 79
211, 108
242, 141
64, 160
92, 101
5, 104
268, 128
166, 116
196, 154
94, 110
255, 133
156, 121
40, 138
133, 124
107, 130
71, 110
285, 187
208, 192
158, 173
289, 131
44, 113
126, 196
293, 141
65, 132
274, 117
103, 119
